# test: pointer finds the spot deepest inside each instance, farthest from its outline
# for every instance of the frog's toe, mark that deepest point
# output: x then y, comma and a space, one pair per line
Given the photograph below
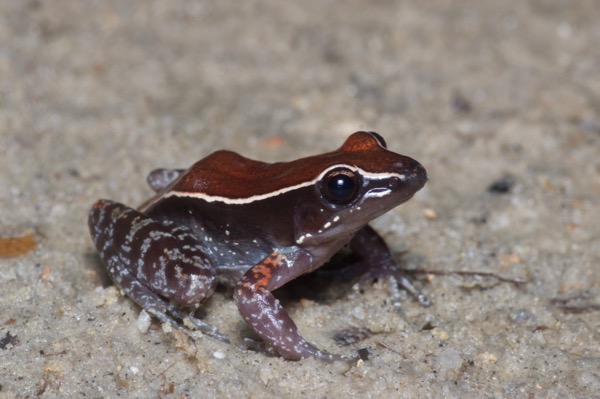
189, 323
196, 324
332, 357
395, 282
164, 318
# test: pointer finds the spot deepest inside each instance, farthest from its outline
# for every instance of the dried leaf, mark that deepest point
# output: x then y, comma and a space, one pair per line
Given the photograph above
16, 246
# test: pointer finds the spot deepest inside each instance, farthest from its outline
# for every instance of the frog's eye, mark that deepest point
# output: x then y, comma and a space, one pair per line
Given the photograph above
340, 186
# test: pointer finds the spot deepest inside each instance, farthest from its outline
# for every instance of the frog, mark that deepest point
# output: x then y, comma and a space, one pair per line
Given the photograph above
254, 226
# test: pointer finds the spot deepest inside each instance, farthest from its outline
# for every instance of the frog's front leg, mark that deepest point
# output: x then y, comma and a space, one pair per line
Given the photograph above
376, 261
264, 314
158, 264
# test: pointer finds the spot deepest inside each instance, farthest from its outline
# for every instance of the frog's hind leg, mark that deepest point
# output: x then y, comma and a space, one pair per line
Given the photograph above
158, 264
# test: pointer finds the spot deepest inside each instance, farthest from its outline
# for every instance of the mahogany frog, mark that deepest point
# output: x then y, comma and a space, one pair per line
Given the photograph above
254, 226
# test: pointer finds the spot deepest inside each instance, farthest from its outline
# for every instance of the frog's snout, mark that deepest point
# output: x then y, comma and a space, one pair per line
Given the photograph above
420, 174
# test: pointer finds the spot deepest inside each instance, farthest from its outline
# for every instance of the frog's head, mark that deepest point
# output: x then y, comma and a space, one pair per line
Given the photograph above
358, 182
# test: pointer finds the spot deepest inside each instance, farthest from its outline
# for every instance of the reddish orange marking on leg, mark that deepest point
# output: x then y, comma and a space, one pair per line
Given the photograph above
262, 273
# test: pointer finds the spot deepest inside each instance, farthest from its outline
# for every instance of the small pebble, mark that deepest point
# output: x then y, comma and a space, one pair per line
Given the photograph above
143, 322
430, 213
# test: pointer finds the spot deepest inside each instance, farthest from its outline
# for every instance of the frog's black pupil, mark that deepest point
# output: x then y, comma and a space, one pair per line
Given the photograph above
341, 187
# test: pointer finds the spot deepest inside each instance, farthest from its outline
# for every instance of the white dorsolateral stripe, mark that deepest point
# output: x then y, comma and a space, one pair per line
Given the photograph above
248, 200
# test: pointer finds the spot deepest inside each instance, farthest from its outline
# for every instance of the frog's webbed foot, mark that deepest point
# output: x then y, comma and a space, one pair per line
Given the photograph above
377, 262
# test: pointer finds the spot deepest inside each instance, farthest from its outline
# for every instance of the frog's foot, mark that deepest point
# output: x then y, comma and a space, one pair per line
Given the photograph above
164, 312
377, 262
190, 323
194, 323
398, 280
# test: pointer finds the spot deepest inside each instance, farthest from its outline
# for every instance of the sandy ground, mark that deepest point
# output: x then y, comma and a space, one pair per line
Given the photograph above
94, 95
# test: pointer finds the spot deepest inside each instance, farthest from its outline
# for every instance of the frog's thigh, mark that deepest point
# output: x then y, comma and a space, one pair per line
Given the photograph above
151, 259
